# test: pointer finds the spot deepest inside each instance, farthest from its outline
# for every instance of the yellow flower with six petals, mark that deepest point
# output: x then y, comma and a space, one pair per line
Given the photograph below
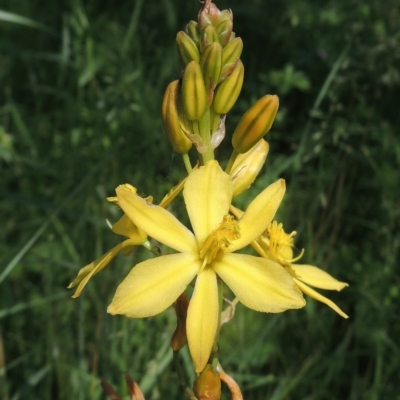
153, 285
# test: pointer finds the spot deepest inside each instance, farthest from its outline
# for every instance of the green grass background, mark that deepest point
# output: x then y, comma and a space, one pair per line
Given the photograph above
81, 84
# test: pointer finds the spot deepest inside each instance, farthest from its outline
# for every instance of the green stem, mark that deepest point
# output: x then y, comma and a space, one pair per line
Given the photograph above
186, 161
154, 249
181, 376
204, 132
231, 161
215, 122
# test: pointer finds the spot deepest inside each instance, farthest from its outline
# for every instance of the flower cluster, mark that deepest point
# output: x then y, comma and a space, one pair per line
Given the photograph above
204, 258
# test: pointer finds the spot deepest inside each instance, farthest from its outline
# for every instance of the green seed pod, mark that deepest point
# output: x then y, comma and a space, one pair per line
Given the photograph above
255, 123
208, 35
228, 91
194, 94
232, 51
211, 64
224, 30
192, 29
187, 48
171, 119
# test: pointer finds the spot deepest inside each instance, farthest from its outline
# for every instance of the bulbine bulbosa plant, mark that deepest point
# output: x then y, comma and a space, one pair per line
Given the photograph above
202, 272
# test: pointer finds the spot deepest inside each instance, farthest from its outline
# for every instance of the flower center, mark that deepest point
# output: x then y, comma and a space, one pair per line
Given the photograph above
220, 239
281, 243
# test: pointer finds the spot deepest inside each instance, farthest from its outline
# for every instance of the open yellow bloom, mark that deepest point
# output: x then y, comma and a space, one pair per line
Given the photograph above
277, 245
153, 285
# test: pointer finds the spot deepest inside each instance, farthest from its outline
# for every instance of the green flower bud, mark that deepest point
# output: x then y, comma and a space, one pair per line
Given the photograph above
192, 29
228, 91
255, 123
224, 30
211, 64
194, 94
208, 35
187, 48
172, 120
232, 51
226, 15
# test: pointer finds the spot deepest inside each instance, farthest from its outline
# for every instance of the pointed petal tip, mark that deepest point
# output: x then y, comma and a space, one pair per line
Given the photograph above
112, 310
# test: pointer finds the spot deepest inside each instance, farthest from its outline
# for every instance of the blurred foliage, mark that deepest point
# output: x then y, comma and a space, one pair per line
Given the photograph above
81, 88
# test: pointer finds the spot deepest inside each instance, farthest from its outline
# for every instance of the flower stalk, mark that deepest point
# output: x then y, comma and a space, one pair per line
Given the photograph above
204, 256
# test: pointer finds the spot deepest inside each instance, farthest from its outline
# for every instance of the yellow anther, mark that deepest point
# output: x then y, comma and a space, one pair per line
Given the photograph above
281, 243
220, 239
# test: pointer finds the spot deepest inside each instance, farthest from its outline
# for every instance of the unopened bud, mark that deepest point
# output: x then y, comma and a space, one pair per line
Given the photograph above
208, 14
179, 339
192, 29
172, 121
208, 385
228, 91
232, 51
247, 166
187, 48
208, 35
194, 94
224, 31
255, 123
226, 15
211, 64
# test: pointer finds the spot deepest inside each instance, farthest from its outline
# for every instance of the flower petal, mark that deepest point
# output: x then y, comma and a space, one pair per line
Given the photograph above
247, 166
202, 318
153, 285
158, 223
259, 214
125, 227
208, 195
317, 296
96, 266
260, 284
317, 277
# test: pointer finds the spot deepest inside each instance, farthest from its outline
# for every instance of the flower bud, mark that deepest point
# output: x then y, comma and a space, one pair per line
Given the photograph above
208, 14
224, 31
208, 385
172, 121
232, 51
179, 338
194, 94
187, 48
225, 15
247, 166
255, 123
211, 64
192, 29
228, 91
208, 35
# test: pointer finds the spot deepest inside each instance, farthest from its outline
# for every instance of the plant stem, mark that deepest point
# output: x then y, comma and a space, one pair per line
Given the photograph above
231, 161
186, 161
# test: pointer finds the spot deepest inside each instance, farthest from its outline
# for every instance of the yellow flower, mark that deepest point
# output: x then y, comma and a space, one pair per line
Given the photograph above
124, 227
277, 245
153, 285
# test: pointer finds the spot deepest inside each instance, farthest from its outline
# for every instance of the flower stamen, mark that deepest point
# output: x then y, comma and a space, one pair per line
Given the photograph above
281, 243
220, 239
